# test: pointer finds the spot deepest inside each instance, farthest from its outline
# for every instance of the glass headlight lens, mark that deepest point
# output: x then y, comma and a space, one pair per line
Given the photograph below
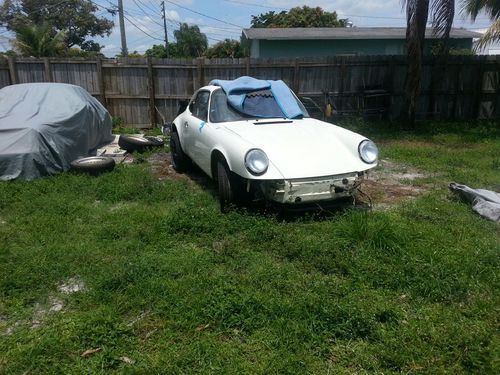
368, 151
256, 161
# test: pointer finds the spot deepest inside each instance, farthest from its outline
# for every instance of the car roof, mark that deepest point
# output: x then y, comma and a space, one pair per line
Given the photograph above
209, 88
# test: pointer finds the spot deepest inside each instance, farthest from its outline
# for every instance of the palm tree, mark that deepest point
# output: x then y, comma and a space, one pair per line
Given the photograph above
492, 9
39, 41
417, 13
191, 42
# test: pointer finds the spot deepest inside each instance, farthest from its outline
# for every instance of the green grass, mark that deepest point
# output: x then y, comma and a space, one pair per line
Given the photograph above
178, 287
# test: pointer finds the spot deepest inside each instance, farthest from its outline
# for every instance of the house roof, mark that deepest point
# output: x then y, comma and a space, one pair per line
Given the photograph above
345, 33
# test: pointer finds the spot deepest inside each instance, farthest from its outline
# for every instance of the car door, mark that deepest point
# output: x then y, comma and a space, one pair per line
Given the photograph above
194, 122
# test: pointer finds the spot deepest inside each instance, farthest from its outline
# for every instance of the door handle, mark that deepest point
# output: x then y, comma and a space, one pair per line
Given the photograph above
186, 124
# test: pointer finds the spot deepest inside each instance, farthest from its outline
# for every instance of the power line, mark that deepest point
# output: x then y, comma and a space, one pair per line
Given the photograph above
49, 7
148, 6
175, 21
253, 4
141, 30
202, 14
147, 14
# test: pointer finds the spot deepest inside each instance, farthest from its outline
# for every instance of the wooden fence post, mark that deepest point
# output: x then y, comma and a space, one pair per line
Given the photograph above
247, 66
200, 71
100, 82
340, 107
48, 71
455, 87
434, 79
13, 70
478, 92
389, 84
296, 82
151, 84
496, 109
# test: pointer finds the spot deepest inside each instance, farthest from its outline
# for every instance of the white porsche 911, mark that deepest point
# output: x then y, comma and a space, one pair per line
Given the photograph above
254, 137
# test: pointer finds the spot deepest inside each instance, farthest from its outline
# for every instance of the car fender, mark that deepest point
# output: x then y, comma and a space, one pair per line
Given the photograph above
234, 150
177, 125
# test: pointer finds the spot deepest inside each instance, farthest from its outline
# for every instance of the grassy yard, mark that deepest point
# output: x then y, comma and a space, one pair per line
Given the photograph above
170, 285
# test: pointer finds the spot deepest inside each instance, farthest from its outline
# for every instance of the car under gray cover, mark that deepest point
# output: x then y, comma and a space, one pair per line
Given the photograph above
45, 126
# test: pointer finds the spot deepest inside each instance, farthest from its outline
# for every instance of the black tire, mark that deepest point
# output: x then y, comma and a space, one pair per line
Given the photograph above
135, 143
180, 161
156, 141
226, 191
93, 165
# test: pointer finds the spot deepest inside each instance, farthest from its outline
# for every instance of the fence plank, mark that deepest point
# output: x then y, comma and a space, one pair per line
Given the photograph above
100, 82
13, 70
48, 70
151, 84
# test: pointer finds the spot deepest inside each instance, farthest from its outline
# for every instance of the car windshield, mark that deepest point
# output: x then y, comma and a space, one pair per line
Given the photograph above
220, 111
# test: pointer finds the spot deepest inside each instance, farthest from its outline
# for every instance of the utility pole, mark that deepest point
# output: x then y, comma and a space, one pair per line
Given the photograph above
165, 27
122, 28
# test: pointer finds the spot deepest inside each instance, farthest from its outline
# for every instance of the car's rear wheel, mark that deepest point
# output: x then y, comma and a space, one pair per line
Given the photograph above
180, 161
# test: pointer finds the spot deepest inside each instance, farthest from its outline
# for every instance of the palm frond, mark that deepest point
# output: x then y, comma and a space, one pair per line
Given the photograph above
39, 41
443, 12
472, 8
490, 36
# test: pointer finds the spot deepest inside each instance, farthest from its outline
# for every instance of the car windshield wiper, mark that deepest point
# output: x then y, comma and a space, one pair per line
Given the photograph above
272, 121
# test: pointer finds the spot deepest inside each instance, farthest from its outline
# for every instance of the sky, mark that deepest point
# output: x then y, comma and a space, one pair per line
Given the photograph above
221, 19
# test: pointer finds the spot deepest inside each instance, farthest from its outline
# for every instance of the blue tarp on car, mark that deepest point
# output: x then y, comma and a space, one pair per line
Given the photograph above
45, 126
260, 98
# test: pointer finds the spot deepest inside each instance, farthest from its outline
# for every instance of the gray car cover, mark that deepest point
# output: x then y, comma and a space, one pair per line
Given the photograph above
485, 202
45, 126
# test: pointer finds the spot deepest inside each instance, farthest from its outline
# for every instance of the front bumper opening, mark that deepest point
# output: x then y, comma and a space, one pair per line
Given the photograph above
298, 191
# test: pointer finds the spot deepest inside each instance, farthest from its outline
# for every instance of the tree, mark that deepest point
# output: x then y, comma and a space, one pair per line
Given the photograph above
191, 42
417, 12
76, 18
492, 9
298, 17
39, 41
159, 51
226, 48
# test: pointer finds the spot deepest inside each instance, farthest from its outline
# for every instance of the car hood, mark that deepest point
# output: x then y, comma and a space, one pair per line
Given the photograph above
303, 148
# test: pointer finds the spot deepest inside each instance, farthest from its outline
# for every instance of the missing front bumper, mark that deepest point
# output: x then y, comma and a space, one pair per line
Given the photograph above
305, 190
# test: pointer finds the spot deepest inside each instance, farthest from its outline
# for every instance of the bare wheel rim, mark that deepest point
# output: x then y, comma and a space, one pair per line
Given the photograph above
92, 160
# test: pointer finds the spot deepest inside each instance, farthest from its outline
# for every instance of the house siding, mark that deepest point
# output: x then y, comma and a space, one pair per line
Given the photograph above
332, 47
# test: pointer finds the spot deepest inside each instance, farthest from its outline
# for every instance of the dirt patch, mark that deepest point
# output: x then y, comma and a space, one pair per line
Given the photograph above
71, 286
391, 183
41, 310
54, 305
161, 167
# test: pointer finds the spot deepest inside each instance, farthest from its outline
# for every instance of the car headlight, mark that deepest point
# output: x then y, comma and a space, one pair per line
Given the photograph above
256, 161
368, 151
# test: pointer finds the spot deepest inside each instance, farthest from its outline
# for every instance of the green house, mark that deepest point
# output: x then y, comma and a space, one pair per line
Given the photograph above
326, 41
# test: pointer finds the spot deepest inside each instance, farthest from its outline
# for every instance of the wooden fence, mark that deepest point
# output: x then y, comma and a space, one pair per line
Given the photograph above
145, 91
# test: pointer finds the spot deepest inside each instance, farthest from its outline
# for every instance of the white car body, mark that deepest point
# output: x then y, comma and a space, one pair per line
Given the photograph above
309, 160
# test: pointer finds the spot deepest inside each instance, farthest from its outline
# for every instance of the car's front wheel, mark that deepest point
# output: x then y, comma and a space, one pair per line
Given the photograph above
226, 191
180, 160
